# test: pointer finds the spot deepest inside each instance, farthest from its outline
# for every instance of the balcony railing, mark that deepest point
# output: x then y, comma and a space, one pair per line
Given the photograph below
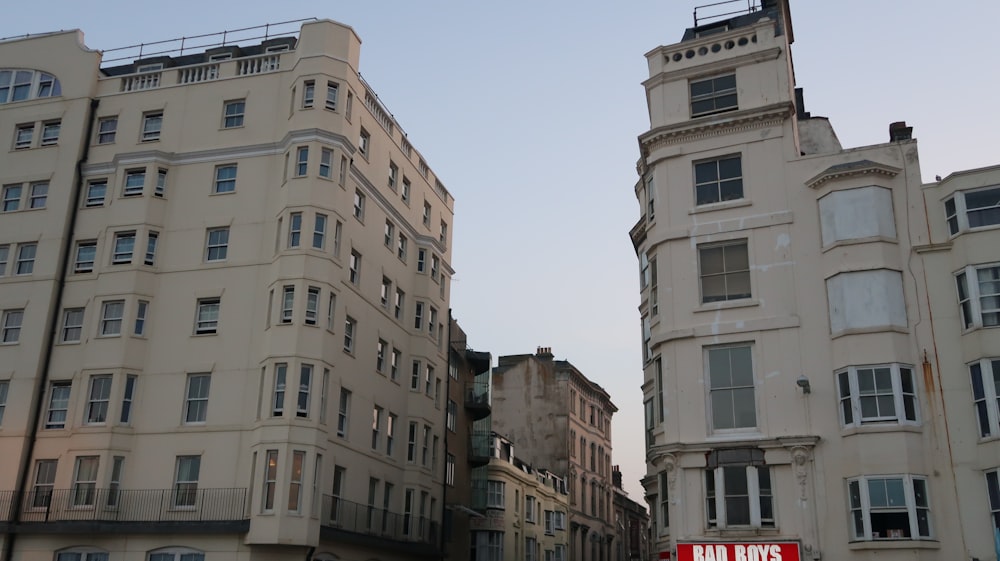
357, 518
477, 399
85, 503
480, 448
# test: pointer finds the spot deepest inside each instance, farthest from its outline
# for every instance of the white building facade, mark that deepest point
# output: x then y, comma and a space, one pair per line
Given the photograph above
797, 374
224, 294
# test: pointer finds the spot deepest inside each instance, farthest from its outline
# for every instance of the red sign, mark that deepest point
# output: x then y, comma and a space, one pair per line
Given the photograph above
665, 555
780, 551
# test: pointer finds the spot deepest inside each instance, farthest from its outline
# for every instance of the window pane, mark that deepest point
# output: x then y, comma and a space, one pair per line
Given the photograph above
722, 409
894, 492
712, 260
744, 408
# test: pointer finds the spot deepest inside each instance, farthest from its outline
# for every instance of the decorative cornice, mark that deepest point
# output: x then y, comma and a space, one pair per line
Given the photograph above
712, 67
852, 169
715, 125
671, 452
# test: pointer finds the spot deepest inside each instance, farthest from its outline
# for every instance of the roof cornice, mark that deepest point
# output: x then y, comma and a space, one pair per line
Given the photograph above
716, 125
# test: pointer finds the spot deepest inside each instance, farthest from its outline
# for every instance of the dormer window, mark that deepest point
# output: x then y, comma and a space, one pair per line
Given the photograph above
22, 85
713, 95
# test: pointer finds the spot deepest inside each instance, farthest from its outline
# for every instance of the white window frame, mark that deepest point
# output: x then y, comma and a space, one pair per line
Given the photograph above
344, 413
957, 217
91, 199
753, 497
57, 410
196, 394
151, 240
279, 389
217, 244
714, 95
312, 305
301, 161
496, 494
850, 397
326, 163
332, 91
319, 231
107, 130
350, 333
727, 274
186, 490
233, 113
111, 325
10, 327
85, 263
270, 481
733, 389
308, 93
123, 252
25, 264
975, 313
225, 182
861, 504
715, 185
295, 479
50, 133
359, 205
355, 267
160, 189
204, 322
993, 492
98, 400
364, 142
152, 126
294, 230
23, 136
985, 379
38, 195
12, 197
303, 401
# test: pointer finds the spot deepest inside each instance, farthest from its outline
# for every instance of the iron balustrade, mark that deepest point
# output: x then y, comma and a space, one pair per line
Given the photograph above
86, 503
368, 520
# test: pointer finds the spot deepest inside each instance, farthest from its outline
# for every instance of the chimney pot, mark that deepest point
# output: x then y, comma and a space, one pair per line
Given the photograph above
899, 131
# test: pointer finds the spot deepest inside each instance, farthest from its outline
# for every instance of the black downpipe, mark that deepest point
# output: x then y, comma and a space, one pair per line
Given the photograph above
444, 480
28, 447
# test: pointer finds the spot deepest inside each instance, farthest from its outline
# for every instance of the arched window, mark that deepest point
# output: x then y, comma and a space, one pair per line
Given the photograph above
22, 85
81, 554
176, 554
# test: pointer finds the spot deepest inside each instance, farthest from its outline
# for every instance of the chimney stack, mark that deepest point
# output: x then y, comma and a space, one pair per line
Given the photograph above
544, 352
899, 131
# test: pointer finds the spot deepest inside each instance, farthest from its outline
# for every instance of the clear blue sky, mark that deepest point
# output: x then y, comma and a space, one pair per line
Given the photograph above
529, 111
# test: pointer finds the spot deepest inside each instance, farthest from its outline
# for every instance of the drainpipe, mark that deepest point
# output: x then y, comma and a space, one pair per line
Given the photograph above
444, 480
28, 445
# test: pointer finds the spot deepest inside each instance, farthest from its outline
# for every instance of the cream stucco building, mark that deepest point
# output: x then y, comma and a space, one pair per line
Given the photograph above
807, 353
224, 287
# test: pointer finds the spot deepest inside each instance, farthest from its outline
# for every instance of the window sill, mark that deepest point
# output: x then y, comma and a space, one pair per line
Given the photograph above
738, 203
218, 193
867, 330
225, 128
205, 334
727, 305
881, 428
894, 544
859, 241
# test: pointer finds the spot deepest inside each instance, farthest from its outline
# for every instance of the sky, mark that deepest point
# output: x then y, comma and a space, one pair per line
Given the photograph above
529, 110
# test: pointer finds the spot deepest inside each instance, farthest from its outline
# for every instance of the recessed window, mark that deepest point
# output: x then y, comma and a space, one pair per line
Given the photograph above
343, 413
713, 95
287, 303
86, 253
394, 361
135, 181
364, 142
225, 179
294, 230
390, 230
127, 397
421, 260
889, 508
185, 496
123, 249
718, 180
82, 494
443, 233
152, 238
398, 304
325, 163
308, 93
50, 133
55, 417
97, 400
877, 394
418, 315
96, 191
969, 210
23, 135
72, 326
319, 231
331, 95
393, 174
496, 494
427, 214
312, 306
10, 326
207, 316
401, 247
141, 309
152, 123
107, 128
979, 299
196, 402
993, 491
986, 396
12, 197
739, 496
233, 113
350, 327
386, 292
404, 193
724, 271
731, 387
380, 349
112, 313
422, 168
21, 85
650, 192
278, 394
217, 244
359, 205
355, 267
161, 183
